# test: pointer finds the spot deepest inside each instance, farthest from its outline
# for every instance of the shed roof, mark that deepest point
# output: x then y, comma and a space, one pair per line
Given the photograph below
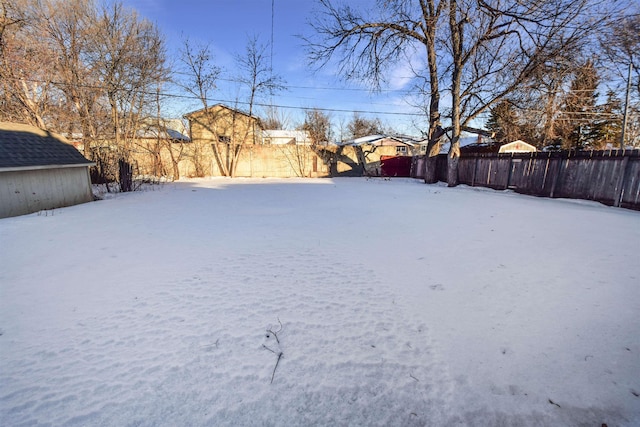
24, 146
517, 146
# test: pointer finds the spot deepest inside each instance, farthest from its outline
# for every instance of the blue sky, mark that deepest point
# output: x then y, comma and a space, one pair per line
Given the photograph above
228, 24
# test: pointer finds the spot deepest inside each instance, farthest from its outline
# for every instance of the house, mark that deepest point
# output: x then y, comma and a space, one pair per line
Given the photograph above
368, 154
39, 170
280, 137
223, 124
419, 144
165, 129
471, 144
383, 145
517, 146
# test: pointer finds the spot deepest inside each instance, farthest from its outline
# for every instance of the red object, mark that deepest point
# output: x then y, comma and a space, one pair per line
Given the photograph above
395, 166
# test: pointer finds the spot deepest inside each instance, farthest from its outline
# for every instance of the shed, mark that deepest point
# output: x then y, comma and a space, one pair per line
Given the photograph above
39, 170
517, 146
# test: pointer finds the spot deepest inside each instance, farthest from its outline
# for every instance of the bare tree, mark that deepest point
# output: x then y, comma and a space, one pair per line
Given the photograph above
620, 44
341, 129
275, 118
257, 78
129, 53
69, 27
479, 50
366, 46
74, 66
201, 80
25, 79
256, 75
360, 126
318, 125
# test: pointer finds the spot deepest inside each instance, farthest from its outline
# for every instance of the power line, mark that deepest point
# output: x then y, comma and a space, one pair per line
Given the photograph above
330, 88
272, 15
231, 102
292, 107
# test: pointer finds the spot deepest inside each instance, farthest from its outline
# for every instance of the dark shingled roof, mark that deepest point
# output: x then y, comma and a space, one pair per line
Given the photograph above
22, 146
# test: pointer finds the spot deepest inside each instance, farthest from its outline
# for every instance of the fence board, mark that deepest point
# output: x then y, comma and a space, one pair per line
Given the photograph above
630, 197
610, 177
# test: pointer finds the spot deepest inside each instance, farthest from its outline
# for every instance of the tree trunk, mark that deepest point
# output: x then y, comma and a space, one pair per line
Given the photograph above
174, 164
456, 79
452, 171
431, 13
430, 171
235, 159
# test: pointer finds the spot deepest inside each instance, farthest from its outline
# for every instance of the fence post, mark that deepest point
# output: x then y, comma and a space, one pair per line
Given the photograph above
556, 178
510, 171
621, 181
475, 168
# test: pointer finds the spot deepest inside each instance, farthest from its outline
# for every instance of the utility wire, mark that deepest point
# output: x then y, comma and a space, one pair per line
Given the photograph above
227, 101
292, 107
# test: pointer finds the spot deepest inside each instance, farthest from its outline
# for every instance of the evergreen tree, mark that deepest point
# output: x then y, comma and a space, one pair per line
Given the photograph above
578, 127
608, 127
503, 122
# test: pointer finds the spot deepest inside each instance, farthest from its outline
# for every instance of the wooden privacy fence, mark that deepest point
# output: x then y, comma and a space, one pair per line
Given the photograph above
610, 177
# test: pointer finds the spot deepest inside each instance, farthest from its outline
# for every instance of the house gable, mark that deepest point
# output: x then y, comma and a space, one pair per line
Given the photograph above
220, 123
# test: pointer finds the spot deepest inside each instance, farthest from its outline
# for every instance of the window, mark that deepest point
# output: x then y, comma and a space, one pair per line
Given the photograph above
401, 149
224, 138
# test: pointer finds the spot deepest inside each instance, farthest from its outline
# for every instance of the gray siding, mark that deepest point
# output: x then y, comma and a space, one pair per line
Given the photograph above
26, 191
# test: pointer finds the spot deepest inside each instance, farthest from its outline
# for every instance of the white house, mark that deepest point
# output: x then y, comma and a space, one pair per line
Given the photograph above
281, 137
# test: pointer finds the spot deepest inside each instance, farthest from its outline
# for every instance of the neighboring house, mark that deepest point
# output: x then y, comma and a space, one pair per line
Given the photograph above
163, 133
165, 129
223, 124
281, 137
383, 145
371, 152
445, 143
419, 144
39, 170
517, 147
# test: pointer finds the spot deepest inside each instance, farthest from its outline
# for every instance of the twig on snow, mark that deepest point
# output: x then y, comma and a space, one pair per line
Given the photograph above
279, 353
276, 367
275, 333
211, 345
269, 349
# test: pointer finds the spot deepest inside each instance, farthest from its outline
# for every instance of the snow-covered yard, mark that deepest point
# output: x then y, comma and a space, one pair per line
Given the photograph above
391, 302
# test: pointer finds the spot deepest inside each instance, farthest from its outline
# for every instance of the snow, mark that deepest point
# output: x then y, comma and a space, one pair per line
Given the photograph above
393, 303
